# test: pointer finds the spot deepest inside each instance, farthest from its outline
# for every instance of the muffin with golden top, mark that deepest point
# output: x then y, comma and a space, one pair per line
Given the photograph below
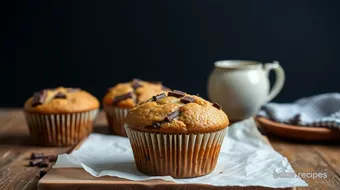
176, 134
60, 116
124, 96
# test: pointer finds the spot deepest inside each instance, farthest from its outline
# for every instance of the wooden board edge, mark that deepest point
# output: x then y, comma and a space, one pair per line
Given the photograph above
42, 185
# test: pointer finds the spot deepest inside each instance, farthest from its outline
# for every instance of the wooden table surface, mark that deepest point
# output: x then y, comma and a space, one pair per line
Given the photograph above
16, 147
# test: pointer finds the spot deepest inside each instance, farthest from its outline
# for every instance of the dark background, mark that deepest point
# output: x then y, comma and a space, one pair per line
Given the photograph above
94, 44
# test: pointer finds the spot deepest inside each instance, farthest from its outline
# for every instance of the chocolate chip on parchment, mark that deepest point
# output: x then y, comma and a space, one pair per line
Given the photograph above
136, 83
187, 99
60, 95
158, 97
172, 116
35, 162
73, 89
176, 93
37, 155
216, 105
44, 164
122, 97
39, 98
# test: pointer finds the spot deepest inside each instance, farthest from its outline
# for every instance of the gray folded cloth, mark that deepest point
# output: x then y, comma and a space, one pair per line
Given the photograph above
315, 111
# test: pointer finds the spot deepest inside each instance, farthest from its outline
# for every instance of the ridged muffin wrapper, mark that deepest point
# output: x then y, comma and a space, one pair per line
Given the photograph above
177, 155
60, 129
115, 117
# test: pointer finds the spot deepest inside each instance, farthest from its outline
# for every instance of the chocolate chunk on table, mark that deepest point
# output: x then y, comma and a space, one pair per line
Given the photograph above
117, 99
39, 98
37, 155
60, 95
187, 99
52, 158
216, 105
35, 162
158, 96
172, 116
44, 164
176, 93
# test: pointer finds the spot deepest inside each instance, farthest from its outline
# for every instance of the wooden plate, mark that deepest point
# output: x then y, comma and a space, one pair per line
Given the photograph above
298, 132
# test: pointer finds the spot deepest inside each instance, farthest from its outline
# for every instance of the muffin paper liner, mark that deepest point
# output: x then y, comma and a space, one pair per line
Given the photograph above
177, 155
115, 117
60, 129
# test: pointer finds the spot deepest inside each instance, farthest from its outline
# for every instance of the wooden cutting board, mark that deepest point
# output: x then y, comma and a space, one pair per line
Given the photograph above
78, 178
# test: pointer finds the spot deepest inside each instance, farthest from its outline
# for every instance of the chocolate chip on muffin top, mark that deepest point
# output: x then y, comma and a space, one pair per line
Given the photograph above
177, 112
61, 100
129, 94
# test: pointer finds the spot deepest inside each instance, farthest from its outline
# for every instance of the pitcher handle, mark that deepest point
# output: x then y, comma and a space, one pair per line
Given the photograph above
280, 79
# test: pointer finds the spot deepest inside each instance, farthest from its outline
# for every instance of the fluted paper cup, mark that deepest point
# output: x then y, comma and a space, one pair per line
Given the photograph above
177, 155
60, 129
115, 117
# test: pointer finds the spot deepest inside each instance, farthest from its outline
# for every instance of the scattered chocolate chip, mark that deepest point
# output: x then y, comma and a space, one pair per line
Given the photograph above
122, 97
187, 99
172, 116
37, 155
42, 173
165, 88
216, 105
158, 97
176, 93
73, 89
39, 98
52, 158
136, 83
60, 95
44, 164
147, 157
221, 172
35, 162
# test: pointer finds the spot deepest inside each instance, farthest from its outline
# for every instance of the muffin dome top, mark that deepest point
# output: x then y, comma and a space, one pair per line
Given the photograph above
61, 101
177, 112
127, 95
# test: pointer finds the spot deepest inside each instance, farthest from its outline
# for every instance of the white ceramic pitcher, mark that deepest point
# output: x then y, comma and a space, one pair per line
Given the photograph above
242, 87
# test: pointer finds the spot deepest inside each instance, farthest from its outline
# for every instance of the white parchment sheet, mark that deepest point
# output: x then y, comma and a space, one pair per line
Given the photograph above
245, 160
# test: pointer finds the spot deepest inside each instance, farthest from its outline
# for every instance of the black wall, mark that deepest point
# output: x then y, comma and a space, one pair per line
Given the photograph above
94, 44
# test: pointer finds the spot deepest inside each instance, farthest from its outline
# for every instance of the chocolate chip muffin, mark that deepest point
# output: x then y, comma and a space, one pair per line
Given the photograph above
60, 116
124, 96
176, 134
